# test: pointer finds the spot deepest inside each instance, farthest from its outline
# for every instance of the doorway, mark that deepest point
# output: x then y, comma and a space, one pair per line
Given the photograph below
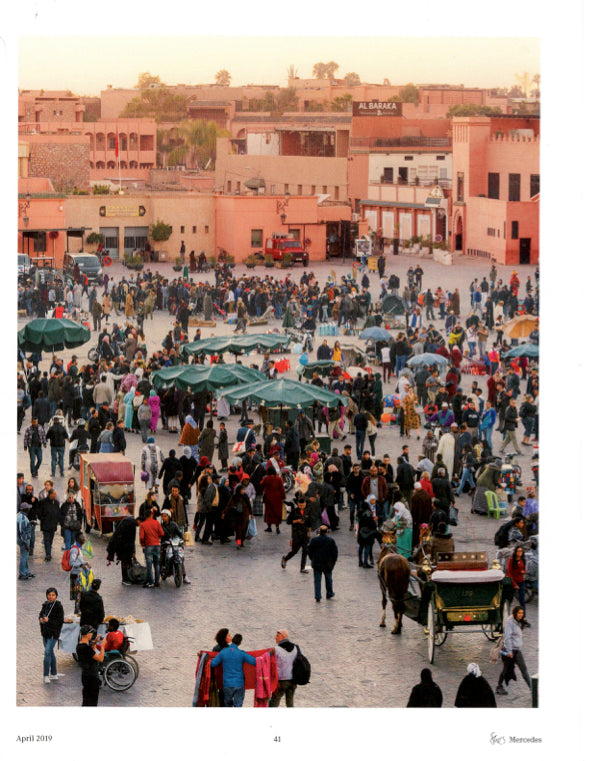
524, 250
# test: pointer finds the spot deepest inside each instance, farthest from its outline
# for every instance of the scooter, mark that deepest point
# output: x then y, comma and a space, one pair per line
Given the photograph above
172, 560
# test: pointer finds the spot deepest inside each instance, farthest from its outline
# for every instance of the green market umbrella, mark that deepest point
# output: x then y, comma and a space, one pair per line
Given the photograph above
322, 366
52, 334
282, 392
524, 350
237, 344
211, 378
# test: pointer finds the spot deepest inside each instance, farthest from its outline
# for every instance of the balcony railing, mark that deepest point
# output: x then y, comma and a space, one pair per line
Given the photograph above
415, 182
401, 142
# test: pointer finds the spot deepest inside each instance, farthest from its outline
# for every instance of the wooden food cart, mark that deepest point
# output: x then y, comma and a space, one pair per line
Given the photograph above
107, 486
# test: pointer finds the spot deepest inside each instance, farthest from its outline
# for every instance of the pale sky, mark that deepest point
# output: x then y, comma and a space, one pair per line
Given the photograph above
48, 62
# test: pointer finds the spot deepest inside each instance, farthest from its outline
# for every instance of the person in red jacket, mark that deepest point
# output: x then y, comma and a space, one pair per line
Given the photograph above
150, 535
515, 569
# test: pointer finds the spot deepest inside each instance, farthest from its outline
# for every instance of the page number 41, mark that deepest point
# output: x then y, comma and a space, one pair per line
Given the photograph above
277, 739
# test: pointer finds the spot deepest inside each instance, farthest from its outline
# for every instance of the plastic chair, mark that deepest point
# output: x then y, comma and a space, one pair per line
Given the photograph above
495, 509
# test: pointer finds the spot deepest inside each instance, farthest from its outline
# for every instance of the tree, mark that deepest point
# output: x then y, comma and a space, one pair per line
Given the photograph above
314, 105
160, 231
330, 69
195, 142
351, 79
472, 109
223, 78
409, 94
145, 80
342, 103
292, 72
320, 70
160, 104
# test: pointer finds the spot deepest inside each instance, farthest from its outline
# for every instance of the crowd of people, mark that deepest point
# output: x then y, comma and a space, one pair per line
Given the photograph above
444, 428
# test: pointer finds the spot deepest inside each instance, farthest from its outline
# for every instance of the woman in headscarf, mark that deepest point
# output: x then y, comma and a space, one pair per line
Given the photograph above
152, 460
128, 402
273, 492
474, 691
426, 694
367, 533
190, 435
411, 417
238, 512
154, 403
206, 441
404, 529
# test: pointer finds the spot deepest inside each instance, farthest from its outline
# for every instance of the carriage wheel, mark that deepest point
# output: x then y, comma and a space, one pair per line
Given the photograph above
431, 636
120, 675
491, 631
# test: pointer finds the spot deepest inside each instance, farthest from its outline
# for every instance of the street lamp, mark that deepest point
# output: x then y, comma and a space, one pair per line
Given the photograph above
282, 206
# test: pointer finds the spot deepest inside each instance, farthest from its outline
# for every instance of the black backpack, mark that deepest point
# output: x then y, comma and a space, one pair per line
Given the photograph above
501, 536
300, 669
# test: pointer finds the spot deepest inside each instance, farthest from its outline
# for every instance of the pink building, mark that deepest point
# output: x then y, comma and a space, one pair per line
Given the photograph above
243, 223
496, 188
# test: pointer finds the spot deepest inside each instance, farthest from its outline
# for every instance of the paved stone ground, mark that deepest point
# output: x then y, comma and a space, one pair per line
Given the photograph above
355, 662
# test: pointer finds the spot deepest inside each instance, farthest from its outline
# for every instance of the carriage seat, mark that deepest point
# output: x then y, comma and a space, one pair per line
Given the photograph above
462, 561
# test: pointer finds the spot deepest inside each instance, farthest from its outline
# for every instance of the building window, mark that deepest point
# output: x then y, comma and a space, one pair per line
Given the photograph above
299, 190
313, 190
206, 229
336, 193
256, 238
514, 230
388, 174
493, 185
229, 186
440, 158
514, 187
491, 231
182, 229
324, 190
534, 185
409, 158
193, 229
460, 186
286, 188
273, 189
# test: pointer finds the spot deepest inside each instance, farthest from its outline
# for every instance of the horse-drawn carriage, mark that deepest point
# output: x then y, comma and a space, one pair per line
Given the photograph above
461, 592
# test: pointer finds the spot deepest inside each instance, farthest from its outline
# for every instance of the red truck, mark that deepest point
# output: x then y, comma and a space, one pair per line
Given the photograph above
280, 243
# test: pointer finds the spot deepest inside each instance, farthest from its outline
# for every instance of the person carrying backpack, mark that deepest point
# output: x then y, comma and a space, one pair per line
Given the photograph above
77, 563
293, 669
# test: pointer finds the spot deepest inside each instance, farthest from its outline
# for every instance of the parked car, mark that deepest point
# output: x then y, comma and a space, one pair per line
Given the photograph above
89, 265
23, 264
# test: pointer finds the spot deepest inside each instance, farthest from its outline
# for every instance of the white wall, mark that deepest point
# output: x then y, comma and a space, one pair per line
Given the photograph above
263, 144
425, 165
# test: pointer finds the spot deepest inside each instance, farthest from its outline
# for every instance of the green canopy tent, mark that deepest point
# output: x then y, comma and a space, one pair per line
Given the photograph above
321, 366
196, 378
236, 344
282, 392
52, 334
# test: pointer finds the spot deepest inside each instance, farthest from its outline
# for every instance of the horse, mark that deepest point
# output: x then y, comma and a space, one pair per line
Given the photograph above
393, 572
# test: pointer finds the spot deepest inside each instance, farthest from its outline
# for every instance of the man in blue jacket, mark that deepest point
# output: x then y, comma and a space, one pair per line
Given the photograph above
232, 660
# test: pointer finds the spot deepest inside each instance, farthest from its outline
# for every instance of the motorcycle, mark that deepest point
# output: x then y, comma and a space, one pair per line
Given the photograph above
172, 560
510, 477
302, 337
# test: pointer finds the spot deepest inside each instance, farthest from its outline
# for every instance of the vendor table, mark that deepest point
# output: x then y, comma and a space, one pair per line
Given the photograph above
138, 632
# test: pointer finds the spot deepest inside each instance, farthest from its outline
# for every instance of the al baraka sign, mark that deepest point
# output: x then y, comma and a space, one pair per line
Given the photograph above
377, 108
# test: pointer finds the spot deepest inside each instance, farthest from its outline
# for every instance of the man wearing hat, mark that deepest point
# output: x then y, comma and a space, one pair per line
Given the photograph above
24, 531
323, 554
246, 435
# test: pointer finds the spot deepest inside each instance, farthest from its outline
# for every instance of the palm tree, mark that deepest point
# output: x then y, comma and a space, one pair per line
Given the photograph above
197, 143
292, 71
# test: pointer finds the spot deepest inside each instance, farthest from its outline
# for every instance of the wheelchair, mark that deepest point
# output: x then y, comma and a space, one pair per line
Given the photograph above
119, 669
